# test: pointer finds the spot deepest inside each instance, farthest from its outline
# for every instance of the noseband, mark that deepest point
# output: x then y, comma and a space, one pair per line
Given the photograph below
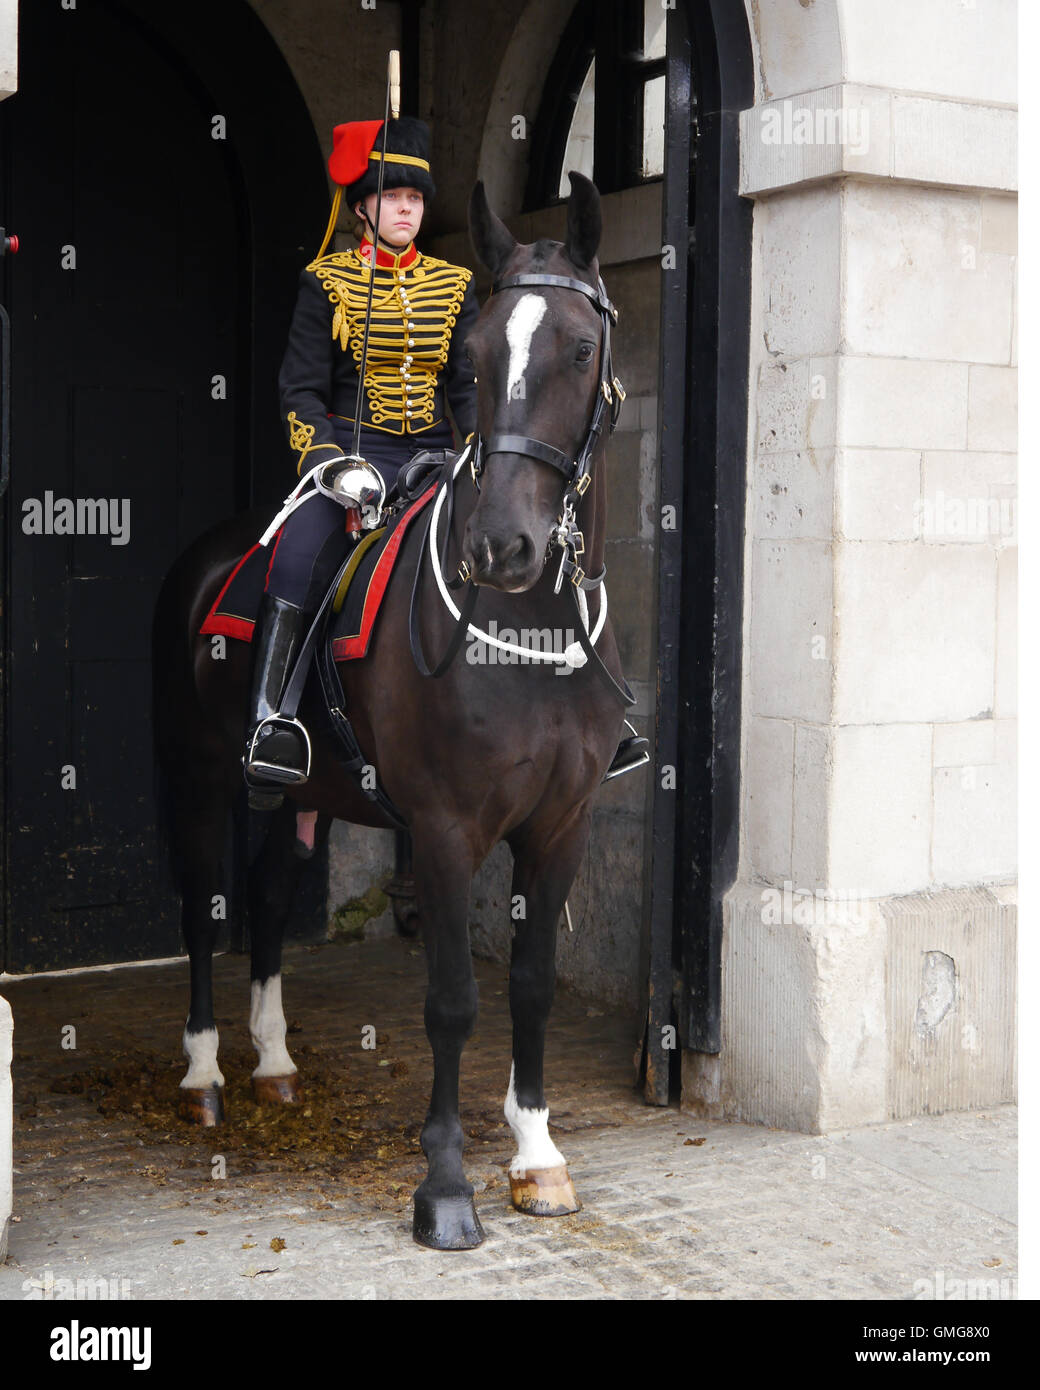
577, 471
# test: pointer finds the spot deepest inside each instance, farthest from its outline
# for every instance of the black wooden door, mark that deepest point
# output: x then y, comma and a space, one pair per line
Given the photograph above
120, 319
134, 340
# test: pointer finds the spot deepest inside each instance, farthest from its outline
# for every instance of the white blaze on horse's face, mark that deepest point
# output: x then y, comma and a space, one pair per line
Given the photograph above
527, 314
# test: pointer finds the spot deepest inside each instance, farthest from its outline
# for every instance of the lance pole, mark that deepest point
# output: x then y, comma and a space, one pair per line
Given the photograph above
393, 101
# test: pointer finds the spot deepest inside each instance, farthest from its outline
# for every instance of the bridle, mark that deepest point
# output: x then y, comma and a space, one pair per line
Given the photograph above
577, 471
565, 532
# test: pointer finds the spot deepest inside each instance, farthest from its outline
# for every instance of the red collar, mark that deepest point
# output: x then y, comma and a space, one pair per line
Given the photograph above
385, 260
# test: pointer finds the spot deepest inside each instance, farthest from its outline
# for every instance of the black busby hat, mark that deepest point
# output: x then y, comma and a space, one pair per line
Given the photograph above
358, 150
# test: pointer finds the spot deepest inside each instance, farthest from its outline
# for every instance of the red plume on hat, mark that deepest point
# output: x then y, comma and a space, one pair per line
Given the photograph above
351, 146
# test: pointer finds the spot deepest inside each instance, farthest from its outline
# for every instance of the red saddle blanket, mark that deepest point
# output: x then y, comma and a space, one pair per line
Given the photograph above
358, 598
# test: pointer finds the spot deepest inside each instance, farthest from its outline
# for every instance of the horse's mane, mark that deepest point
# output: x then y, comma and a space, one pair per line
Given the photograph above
542, 252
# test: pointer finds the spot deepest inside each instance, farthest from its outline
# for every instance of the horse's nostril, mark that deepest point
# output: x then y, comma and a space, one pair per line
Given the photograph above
513, 551
491, 557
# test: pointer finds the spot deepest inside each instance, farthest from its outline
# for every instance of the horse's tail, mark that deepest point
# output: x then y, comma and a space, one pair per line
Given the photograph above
162, 785
186, 779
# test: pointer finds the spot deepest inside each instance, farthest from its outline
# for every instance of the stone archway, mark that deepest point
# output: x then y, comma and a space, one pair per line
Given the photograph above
518, 88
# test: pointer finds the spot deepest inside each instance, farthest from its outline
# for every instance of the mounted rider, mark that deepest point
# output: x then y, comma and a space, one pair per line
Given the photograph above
415, 372
351, 437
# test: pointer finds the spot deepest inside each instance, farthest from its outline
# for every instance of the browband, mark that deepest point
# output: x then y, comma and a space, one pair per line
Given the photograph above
563, 282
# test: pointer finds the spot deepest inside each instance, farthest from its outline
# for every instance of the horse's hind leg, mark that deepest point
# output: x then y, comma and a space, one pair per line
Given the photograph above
445, 1217
542, 875
272, 883
201, 830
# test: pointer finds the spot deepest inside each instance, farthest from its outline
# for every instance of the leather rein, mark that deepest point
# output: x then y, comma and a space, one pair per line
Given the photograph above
577, 473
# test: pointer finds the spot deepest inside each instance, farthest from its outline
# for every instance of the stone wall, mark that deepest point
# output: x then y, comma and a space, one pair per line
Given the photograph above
879, 716
8, 48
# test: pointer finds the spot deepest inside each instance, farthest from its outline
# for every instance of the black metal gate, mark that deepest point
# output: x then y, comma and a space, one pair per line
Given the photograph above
705, 315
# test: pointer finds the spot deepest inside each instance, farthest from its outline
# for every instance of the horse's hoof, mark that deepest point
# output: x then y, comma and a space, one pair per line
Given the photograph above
278, 1090
201, 1105
544, 1192
446, 1223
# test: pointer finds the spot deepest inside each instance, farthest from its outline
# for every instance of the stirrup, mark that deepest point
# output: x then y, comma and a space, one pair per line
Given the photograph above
273, 756
632, 752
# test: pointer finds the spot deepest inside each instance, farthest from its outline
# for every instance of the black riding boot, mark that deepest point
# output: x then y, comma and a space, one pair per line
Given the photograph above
632, 752
277, 749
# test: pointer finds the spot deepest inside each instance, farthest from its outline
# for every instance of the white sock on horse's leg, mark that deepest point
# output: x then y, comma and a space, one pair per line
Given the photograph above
267, 1028
201, 1052
539, 1183
531, 1131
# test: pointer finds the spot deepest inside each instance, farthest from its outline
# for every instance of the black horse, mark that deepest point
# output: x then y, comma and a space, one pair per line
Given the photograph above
490, 751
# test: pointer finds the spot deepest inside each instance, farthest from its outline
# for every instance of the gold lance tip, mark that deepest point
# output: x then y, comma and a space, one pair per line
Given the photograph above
395, 83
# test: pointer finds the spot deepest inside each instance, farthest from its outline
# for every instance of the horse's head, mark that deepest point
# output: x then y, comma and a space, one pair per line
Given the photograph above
536, 355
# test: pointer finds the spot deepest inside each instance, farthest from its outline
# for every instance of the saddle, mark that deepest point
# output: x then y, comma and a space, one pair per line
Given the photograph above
343, 626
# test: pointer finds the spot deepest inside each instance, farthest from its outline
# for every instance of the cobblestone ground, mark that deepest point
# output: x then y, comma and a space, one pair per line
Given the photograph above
110, 1186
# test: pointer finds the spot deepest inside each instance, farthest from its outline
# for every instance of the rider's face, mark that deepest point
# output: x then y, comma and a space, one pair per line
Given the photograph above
400, 215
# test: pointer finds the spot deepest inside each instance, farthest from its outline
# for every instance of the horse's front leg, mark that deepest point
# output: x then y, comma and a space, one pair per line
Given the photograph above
542, 876
291, 840
445, 1217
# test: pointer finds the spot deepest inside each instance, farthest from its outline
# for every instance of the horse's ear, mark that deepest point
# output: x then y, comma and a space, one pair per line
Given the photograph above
584, 221
492, 240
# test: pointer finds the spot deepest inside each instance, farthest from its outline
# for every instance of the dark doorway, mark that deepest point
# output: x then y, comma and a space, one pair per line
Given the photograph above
143, 371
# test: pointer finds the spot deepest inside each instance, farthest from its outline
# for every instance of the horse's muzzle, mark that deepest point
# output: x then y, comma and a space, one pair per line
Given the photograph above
510, 564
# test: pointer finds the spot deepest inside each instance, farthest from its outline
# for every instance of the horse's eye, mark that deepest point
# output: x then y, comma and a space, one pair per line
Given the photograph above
585, 352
